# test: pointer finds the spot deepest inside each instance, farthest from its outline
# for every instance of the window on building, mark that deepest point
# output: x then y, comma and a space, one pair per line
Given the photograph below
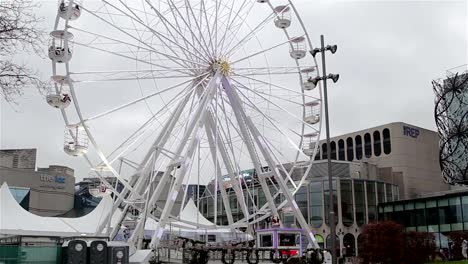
349, 149
377, 143
371, 202
432, 214
380, 192
367, 145
324, 151
464, 200
456, 220
388, 192
347, 210
316, 213
420, 213
333, 150
337, 243
358, 147
359, 197
301, 200
387, 145
317, 154
341, 150
320, 241
349, 245
326, 199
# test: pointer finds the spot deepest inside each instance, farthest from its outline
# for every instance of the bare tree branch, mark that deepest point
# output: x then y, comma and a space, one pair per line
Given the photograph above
19, 32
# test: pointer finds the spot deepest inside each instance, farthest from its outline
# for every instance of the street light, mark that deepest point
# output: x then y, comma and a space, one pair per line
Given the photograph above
314, 81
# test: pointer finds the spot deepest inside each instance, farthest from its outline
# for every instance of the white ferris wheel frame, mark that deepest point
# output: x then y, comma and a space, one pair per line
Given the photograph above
204, 120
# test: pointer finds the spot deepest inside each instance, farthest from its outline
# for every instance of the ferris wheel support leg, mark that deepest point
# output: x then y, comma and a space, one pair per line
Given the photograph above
186, 163
240, 116
226, 204
155, 152
262, 144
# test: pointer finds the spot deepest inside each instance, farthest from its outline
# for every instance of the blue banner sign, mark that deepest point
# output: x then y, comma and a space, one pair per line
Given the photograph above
411, 132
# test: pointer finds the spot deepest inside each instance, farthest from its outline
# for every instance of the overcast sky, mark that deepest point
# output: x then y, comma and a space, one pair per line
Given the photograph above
388, 53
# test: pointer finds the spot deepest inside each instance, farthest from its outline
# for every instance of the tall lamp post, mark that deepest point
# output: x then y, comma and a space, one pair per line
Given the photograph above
315, 80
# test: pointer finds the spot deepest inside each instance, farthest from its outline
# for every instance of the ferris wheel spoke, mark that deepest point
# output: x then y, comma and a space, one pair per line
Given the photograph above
277, 86
192, 14
236, 17
128, 57
271, 95
180, 29
142, 99
263, 51
166, 22
150, 49
278, 106
147, 125
274, 123
157, 34
252, 33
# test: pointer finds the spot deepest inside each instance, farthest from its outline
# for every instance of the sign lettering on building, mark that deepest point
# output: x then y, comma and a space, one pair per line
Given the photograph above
49, 179
410, 132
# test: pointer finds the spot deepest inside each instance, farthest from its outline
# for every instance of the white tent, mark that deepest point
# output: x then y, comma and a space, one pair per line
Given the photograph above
14, 220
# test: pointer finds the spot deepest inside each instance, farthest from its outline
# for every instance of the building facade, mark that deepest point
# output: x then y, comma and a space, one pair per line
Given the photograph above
45, 191
378, 165
439, 214
406, 155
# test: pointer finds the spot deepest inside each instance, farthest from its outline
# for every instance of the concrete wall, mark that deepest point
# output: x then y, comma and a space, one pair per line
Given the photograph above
51, 193
413, 162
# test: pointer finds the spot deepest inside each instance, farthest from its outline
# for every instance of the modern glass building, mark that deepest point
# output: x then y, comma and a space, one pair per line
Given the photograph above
356, 201
439, 215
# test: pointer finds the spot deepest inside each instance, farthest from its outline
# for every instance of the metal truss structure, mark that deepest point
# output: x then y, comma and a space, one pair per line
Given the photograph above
451, 115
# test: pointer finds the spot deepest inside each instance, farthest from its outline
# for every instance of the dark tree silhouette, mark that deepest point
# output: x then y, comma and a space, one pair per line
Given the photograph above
388, 243
19, 33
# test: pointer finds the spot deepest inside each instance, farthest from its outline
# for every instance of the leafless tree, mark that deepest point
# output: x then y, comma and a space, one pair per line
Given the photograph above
19, 32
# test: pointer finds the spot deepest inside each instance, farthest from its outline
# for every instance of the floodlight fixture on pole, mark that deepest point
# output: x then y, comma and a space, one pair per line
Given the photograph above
314, 81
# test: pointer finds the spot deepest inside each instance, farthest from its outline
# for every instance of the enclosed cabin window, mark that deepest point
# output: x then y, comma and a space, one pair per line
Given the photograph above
341, 150
387, 145
350, 149
367, 145
358, 147
266, 240
377, 143
287, 240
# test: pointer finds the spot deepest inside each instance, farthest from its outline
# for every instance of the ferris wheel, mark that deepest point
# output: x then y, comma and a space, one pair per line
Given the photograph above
195, 92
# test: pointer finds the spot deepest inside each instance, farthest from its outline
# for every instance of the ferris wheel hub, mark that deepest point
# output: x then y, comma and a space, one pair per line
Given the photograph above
222, 65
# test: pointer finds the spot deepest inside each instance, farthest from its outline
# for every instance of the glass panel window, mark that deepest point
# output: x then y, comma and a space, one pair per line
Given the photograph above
367, 145
349, 149
371, 202
360, 202
316, 213
377, 143
387, 146
333, 150
301, 200
347, 211
326, 197
324, 151
388, 192
358, 147
381, 192
341, 150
